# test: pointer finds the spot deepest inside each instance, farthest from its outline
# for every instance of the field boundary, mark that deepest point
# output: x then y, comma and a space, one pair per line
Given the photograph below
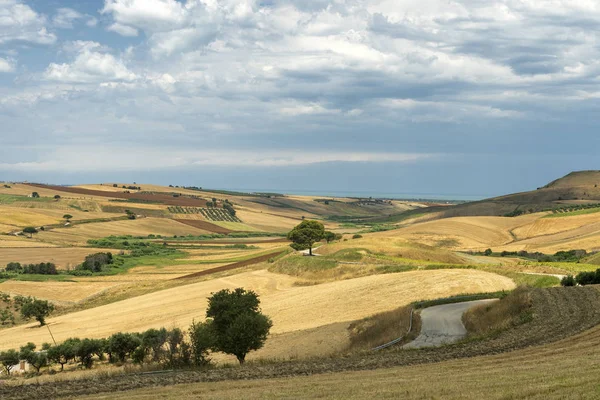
234, 265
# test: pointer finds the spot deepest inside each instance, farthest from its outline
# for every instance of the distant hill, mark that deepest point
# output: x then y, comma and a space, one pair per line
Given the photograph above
581, 187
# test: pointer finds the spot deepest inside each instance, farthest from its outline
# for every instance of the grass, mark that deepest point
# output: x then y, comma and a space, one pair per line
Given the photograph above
382, 328
573, 213
511, 310
459, 299
13, 198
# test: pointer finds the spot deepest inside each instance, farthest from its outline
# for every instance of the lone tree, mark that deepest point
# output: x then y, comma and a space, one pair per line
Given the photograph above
67, 217
30, 230
35, 195
306, 234
237, 322
38, 309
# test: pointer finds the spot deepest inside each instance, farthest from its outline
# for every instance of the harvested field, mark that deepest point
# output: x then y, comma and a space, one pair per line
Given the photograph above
20, 242
291, 308
141, 196
395, 247
62, 257
235, 265
58, 292
207, 226
79, 234
557, 357
20, 218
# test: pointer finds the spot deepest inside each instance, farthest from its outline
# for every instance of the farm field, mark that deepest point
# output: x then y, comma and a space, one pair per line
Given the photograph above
59, 292
79, 234
292, 308
62, 257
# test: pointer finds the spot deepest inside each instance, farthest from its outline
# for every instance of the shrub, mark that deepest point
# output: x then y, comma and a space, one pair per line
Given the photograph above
356, 236
568, 280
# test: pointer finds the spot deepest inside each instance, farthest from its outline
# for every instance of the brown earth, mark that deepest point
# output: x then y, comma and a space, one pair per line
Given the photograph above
207, 226
235, 265
152, 197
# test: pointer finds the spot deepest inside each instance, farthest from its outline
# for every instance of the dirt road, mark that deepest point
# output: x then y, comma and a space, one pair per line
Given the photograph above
442, 324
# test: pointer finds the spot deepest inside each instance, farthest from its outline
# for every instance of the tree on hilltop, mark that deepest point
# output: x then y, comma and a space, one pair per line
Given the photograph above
306, 234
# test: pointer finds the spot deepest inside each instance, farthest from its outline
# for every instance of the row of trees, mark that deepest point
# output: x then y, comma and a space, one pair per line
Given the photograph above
582, 278
41, 268
234, 325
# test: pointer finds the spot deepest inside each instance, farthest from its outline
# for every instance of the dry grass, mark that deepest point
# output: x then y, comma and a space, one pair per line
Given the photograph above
382, 328
509, 311
79, 234
563, 370
393, 246
62, 257
58, 292
19, 217
291, 308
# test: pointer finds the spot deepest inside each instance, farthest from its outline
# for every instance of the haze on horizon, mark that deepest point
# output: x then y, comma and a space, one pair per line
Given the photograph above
437, 96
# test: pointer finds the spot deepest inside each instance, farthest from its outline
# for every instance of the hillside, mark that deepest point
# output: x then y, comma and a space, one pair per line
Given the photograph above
575, 189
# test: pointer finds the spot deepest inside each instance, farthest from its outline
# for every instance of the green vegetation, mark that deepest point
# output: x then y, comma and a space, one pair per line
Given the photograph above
306, 234
30, 230
225, 214
13, 198
38, 309
237, 322
38, 269
459, 299
569, 256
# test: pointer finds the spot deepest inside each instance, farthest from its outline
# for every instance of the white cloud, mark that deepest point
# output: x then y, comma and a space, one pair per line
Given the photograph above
65, 17
90, 65
77, 159
6, 65
19, 22
123, 30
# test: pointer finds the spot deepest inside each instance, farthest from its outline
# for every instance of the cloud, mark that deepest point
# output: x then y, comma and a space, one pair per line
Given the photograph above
6, 65
76, 159
91, 64
20, 23
123, 30
65, 17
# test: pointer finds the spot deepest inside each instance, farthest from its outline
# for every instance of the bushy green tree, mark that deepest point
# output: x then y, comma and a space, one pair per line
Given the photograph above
237, 322
30, 230
9, 359
329, 236
85, 351
63, 353
38, 309
202, 338
306, 234
123, 345
36, 359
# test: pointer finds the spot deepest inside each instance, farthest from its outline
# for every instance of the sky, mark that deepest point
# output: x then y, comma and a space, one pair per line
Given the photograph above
458, 98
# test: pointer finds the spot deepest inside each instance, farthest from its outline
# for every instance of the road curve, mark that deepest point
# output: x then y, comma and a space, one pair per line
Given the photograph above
442, 324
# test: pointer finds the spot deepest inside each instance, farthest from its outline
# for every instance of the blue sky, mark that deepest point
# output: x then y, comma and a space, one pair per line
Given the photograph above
464, 97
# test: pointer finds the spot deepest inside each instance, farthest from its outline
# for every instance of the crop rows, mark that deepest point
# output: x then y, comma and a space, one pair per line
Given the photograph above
211, 214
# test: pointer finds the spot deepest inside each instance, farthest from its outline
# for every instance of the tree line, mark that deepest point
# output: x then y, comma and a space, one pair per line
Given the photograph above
234, 325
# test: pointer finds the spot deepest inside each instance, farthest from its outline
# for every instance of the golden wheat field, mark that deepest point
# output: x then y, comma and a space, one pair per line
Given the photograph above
58, 292
79, 234
291, 308
62, 257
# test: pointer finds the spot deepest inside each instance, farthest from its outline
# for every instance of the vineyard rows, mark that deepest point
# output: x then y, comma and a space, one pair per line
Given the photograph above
211, 214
